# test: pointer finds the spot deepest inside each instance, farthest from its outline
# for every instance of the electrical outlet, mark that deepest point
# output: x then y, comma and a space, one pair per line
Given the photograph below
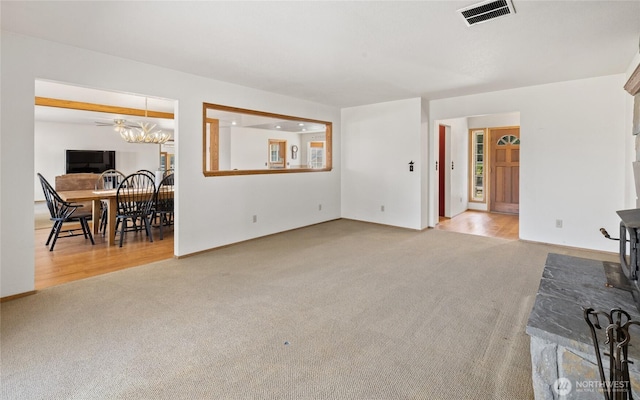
558, 223
319, 207
255, 218
382, 208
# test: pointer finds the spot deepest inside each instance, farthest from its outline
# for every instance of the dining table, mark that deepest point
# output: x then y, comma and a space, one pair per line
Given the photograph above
96, 196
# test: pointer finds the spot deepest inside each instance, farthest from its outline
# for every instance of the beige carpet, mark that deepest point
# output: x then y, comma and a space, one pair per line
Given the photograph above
340, 310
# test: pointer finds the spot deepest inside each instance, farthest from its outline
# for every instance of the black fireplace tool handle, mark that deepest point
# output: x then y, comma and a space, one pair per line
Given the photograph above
606, 234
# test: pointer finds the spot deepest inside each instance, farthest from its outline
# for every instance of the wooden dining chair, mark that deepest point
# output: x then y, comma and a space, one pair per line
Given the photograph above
135, 196
62, 212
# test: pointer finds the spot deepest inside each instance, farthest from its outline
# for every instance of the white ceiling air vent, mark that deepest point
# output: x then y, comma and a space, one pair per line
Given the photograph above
486, 11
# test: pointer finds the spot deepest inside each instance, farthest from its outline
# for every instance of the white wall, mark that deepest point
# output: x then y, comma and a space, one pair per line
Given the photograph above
210, 212
573, 155
378, 143
424, 164
494, 120
52, 139
457, 184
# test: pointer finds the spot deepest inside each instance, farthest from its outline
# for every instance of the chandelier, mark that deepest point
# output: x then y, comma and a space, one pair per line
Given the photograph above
144, 133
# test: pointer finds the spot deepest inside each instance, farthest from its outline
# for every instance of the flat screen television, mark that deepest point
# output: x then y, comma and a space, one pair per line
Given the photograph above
95, 161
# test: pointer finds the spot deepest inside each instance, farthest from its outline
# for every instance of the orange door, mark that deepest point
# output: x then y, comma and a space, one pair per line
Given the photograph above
505, 170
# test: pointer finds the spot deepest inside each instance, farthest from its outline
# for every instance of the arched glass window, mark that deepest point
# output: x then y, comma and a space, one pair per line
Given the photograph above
508, 139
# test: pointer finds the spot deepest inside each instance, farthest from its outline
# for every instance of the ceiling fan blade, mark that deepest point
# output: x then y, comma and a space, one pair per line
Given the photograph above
117, 123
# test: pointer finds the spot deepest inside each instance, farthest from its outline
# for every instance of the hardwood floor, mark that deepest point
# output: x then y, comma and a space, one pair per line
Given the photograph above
505, 226
75, 258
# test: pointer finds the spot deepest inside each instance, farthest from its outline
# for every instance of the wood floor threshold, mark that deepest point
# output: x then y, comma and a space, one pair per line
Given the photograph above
482, 223
17, 296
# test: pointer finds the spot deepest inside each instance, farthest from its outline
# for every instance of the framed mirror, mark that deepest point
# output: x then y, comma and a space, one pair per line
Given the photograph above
237, 141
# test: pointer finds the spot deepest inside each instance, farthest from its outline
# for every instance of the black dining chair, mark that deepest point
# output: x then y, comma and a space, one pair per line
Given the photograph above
135, 196
108, 180
62, 212
163, 204
146, 172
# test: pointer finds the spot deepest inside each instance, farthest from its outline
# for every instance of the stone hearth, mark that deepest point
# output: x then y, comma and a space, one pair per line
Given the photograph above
561, 344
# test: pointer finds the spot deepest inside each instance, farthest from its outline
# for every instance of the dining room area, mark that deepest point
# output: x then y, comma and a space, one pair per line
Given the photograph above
104, 182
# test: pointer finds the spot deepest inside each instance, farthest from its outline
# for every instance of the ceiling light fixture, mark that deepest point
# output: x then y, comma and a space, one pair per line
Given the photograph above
119, 125
145, 132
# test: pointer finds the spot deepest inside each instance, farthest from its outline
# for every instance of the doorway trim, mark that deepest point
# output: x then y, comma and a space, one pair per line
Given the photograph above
512, 119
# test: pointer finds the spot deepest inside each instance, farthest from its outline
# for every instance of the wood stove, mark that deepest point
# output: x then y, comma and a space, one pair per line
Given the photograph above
630, 233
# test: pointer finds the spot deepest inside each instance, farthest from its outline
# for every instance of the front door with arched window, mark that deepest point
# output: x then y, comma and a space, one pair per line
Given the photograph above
505, 170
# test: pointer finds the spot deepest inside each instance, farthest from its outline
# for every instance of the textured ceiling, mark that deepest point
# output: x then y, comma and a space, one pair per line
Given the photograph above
345, 53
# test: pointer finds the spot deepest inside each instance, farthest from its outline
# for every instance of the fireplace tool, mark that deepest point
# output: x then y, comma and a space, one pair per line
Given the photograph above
622, 276
618, 385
